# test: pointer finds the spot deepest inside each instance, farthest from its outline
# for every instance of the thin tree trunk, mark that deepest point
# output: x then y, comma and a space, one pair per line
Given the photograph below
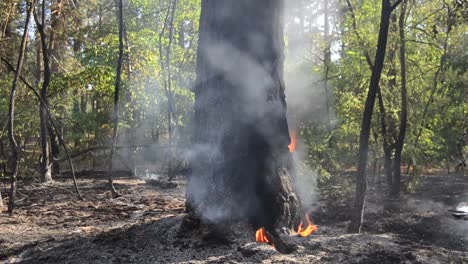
361, 181
3, 167
167, 79
134, 122
388, 122
327, 59
383, 123
396, 188
386, 145
115, 115
7, 19
45, 168
54, 149
11, 110
170, 98
57, 131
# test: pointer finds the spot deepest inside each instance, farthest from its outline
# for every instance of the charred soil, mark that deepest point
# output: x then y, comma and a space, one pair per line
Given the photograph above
141, 226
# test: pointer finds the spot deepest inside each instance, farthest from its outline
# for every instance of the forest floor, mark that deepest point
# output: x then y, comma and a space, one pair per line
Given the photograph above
141, 226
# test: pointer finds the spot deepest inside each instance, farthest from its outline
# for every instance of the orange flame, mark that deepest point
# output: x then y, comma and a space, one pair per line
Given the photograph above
260, 236
292, 145
308, 230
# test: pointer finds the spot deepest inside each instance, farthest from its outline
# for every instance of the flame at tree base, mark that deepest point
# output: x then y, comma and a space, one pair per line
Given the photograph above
303, 232
261, 237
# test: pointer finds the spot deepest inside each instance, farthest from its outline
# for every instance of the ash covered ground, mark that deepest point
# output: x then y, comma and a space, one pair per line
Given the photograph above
51, 226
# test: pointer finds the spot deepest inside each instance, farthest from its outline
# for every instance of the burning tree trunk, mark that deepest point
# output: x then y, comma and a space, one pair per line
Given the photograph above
242, 165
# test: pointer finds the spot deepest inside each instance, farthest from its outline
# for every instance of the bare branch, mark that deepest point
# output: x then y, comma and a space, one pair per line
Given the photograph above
395, 5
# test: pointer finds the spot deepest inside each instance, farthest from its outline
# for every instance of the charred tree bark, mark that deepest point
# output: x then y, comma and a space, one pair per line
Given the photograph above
115, 115
242, 167
361, 181
396, 188
11, 111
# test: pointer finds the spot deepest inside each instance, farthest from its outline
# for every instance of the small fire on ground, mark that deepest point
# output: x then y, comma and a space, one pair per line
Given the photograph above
261, 237
303, 232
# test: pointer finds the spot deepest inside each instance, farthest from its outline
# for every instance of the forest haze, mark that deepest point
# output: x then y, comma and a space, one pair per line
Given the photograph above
266, 113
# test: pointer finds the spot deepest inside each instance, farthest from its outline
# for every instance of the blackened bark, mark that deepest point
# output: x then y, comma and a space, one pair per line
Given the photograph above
115, 115
242, 167
361, 181
396, 188
11, 111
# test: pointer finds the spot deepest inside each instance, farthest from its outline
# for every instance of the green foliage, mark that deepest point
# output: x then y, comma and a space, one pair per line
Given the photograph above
85, 56
436, 81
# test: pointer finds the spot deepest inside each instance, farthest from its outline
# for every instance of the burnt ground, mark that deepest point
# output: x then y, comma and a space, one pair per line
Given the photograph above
51, 226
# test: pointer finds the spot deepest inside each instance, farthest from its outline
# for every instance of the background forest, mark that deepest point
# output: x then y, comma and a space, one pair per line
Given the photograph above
115, 94
329, 51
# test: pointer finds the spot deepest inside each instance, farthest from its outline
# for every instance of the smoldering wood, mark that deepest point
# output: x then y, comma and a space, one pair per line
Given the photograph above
244, 167
280, 241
